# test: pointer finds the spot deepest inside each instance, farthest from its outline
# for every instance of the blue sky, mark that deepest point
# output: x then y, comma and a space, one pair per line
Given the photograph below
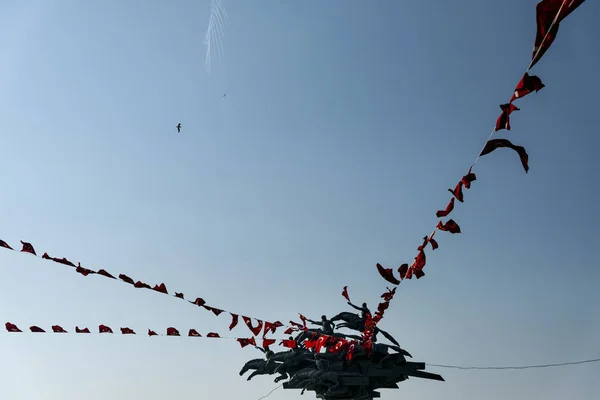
343, 125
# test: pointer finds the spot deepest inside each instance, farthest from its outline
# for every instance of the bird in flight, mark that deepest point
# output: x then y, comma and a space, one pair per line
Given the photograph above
179, 127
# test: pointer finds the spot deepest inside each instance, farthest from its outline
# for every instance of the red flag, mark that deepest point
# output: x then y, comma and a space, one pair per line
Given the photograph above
36, 329
419, 273
179, 295
160, 288
246, 342
289, 331
215, 311
267, 343
199, 302
303, 318
527, 84
63, 260
547, 13
193, 332
289, 343
58, 329
448, 210
104, 329
503, 121
142, 285
449, 226
468, 178
457, 192
28, 248
234, 321
255, 329
84, 330
387, 274
494, 144
351, 349
321, 341
152, 333
213, 335
5, 245
172, 332
345, 293
83, 271
127, 331
12, 327
434, 243
389, 295
403, 271
127, 279
105, 273
269, 327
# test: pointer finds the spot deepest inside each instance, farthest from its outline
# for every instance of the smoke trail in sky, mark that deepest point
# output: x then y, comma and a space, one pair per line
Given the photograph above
214, 32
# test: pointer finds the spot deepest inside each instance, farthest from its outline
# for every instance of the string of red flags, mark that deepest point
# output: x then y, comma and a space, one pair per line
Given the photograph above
10, 327
255, 325
549, 14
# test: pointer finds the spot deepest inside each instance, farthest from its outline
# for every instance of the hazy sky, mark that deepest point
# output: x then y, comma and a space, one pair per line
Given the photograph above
344, 123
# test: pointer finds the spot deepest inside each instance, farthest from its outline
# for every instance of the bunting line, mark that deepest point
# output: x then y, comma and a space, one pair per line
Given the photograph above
549, 14
255, 328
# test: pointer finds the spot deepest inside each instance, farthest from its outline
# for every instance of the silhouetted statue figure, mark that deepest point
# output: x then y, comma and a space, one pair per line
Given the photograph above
325, 324
364, 310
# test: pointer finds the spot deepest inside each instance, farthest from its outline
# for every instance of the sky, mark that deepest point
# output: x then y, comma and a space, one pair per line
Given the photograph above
343, 125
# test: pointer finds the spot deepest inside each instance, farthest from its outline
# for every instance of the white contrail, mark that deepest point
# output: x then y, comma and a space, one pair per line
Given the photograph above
214, 32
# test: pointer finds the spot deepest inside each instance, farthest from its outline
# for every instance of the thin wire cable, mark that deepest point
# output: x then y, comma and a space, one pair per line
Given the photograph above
593, 360
268, 394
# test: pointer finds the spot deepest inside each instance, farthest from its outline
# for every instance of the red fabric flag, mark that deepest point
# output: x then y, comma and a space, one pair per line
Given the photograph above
457, 192
152, 333
468, 179
277, 324
267, 343
193, 332
160, 288
269, 327
547, 12
255, 329
36, 329
494, 144
172, 332
449, 226
503, 121
246, 342
84, 330
63, 260
213, 335
199, 302
179, 295
409, 273
527, 84
321, 341
83, 271
5, 245
448, 210
303, 318
234, 321
12, 327
434, 243
58, 329
127, 331
403, 270
28, 248
289, 331
105, 273
104, 329
345, 293
127, 279
387, 274
419, 273
351, 349
215, 311
142, 285
289, 343
389, 295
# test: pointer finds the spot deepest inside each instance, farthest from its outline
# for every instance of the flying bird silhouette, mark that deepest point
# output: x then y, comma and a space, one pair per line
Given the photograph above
179, 127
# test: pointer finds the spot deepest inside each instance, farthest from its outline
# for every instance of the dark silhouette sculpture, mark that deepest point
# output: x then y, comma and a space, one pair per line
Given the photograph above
346, 372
